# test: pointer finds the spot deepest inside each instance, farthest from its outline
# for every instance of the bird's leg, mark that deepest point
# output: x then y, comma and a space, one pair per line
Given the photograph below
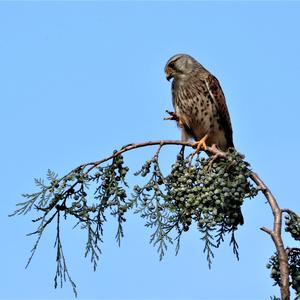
200, 144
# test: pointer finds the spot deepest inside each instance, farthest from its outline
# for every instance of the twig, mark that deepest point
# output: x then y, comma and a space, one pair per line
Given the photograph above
275, 234
210, 150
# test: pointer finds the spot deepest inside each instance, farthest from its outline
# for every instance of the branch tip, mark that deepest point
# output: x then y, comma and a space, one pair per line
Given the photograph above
267, 230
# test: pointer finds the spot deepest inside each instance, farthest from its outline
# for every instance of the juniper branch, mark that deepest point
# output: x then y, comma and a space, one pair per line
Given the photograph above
82, 174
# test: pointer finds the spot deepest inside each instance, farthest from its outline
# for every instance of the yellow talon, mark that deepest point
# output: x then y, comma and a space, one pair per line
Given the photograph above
201, 144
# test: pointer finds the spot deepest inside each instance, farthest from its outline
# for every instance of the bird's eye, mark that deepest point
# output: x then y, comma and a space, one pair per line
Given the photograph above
171, 64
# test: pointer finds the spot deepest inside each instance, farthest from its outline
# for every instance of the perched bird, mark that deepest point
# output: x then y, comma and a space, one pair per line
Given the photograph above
200, 106
199, 103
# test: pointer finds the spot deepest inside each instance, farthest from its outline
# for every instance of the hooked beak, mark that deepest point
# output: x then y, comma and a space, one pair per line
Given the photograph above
169, 77
169, 74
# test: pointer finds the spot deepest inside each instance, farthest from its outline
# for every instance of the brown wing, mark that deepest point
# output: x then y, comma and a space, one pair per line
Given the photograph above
218, 97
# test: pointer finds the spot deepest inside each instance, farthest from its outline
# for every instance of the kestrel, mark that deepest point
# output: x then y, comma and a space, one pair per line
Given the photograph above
199, 103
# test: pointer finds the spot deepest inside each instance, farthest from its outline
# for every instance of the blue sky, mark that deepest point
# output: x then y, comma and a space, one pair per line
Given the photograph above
79, 79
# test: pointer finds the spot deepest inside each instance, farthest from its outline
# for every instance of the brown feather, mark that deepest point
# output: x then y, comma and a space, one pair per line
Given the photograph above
219, 99
199, 102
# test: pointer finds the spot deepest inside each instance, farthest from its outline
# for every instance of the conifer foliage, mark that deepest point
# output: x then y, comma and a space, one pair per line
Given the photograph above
203, 191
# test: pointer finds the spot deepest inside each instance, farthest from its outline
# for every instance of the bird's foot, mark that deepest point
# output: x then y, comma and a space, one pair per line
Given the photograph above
200, 145
173, 116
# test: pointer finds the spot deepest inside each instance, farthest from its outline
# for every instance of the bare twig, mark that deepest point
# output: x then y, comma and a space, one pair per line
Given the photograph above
275, 234
210, 150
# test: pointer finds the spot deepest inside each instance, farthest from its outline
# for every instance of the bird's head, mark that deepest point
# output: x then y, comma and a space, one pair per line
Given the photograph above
180, 65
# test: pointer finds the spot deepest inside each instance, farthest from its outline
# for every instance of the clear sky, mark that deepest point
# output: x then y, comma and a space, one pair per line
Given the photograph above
79, 79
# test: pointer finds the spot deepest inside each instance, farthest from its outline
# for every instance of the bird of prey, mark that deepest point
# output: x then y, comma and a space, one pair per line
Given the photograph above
199, 103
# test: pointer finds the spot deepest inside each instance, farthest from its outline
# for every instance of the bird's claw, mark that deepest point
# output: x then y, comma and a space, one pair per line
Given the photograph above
200, 145
173, 116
